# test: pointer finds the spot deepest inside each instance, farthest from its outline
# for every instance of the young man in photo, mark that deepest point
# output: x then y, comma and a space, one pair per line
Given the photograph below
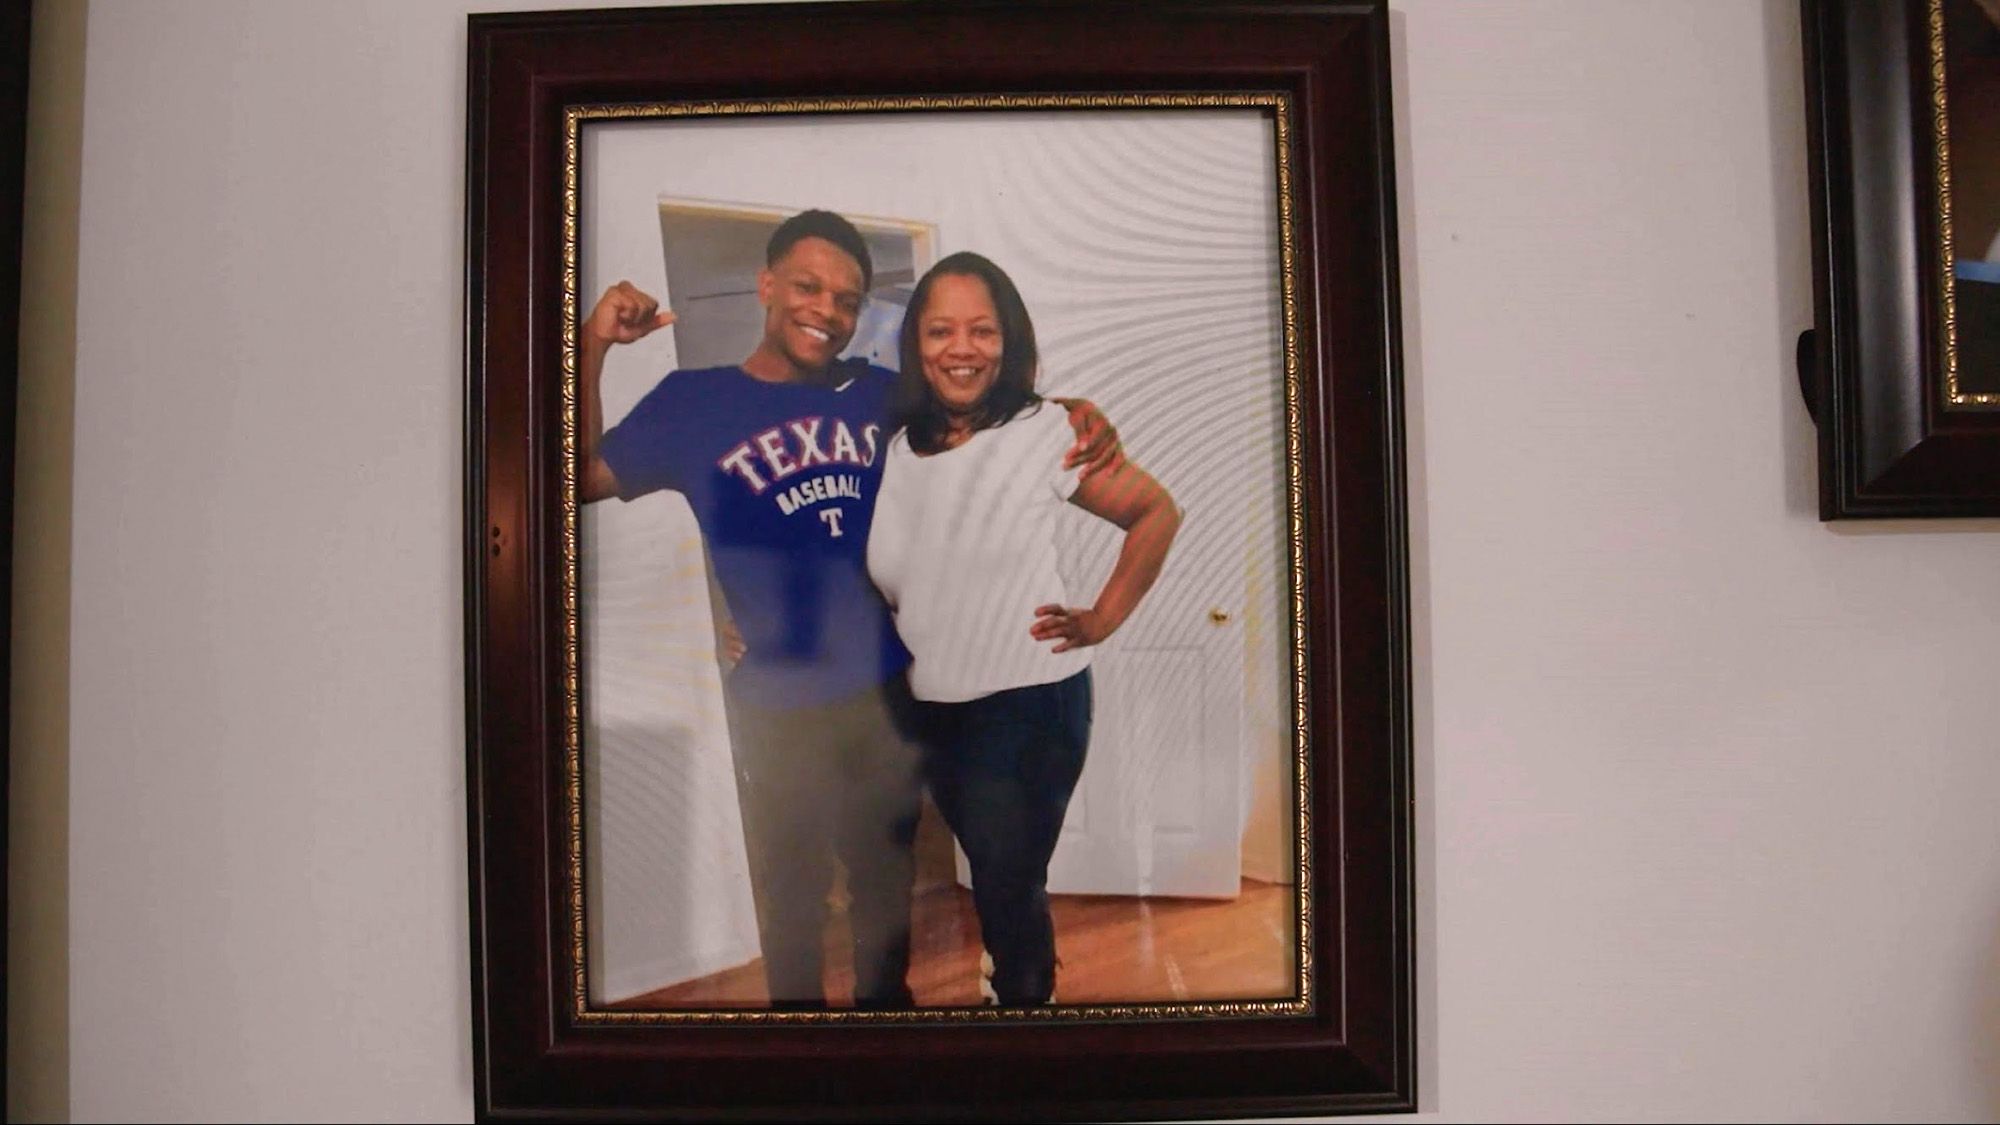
779, 458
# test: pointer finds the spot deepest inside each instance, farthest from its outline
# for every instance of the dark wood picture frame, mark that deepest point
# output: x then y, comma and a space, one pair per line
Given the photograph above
1900, 434
15, 22
1348, 1044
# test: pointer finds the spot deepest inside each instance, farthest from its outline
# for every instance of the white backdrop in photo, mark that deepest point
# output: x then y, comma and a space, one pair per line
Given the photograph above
1145, 244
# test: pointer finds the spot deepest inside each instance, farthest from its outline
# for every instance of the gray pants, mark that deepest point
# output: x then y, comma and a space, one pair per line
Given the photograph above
816, 783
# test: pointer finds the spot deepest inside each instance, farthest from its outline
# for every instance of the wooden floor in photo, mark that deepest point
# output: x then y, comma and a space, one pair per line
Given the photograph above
1114, 949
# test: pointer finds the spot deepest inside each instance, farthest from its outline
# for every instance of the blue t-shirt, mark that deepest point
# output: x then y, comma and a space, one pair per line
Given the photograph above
782, 478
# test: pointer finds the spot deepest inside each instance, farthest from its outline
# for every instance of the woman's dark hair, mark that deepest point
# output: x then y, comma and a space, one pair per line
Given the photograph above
917, 410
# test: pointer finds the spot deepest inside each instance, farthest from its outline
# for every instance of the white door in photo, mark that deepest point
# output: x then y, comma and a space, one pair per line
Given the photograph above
1159, 807
1159, 810
1186, 706
1154, 286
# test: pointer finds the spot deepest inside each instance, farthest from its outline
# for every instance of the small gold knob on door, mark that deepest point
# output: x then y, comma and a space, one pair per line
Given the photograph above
1219, 616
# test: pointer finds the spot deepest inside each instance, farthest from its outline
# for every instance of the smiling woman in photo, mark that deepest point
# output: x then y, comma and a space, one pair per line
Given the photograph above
964, 549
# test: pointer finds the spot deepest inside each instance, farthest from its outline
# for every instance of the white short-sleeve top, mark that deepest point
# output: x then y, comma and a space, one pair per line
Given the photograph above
963, 546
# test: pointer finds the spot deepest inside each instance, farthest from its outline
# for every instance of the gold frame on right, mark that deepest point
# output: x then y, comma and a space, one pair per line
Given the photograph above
1907, 411
1272, 113
1948, 351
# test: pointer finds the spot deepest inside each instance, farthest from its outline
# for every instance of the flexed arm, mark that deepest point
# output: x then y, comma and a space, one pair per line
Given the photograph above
1129, 497
624, 315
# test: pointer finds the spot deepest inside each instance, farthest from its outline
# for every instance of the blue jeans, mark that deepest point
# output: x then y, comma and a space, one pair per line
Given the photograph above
1002, 768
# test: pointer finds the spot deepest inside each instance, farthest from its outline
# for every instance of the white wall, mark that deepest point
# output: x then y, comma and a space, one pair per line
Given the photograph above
1705, 787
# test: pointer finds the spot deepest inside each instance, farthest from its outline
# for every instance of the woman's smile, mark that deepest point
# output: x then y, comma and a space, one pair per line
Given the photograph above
960, 342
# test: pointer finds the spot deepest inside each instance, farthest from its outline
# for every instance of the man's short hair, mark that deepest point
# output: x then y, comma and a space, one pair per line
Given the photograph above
821, 224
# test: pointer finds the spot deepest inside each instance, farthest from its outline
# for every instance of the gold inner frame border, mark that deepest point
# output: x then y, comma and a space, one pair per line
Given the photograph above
1280, 106
1947, 278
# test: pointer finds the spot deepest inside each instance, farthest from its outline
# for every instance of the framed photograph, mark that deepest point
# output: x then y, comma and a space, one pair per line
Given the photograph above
936, 569
1902, 366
